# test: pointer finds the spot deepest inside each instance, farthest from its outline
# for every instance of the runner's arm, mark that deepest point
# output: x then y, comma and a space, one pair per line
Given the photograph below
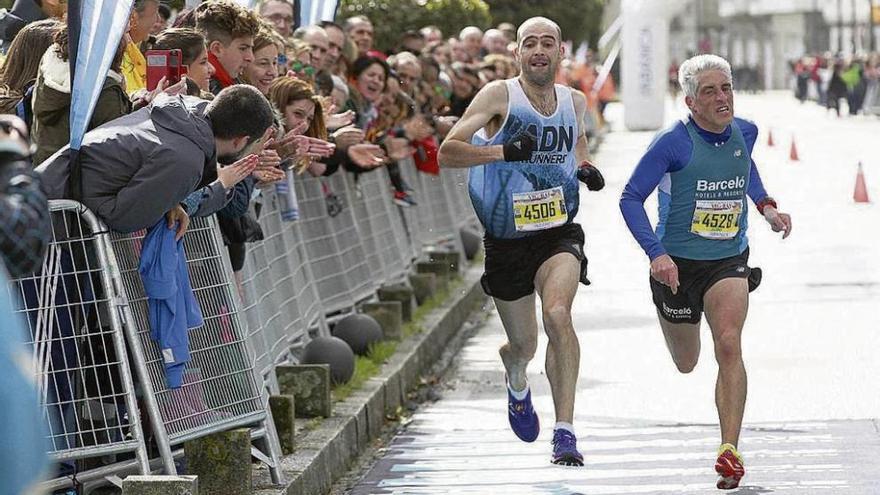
457, 150
661, 157
581, 147
756, 189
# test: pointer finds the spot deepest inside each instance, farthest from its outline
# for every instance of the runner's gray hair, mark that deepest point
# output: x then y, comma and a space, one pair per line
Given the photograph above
691, 68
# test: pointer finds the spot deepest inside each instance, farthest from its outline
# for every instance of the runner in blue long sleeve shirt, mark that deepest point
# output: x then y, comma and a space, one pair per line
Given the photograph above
702, 169
670, 152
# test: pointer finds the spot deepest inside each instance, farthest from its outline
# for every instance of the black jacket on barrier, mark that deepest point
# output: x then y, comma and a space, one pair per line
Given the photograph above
138, 167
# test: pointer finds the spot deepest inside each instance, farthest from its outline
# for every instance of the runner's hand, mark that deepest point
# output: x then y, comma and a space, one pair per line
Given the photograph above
779, 222
664, 270
520, 148
590, 175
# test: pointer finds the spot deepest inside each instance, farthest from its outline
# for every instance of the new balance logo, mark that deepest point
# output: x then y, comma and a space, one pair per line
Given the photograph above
741, 269
738, 153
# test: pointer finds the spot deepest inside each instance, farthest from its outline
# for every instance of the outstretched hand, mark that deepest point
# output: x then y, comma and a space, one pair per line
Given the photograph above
366, 155
230, 175
779, 222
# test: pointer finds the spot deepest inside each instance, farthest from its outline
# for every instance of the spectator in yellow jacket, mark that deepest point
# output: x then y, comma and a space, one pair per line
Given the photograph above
134, 66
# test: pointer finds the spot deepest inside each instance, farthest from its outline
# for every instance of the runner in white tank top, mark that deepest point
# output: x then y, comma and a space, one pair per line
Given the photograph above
525, 140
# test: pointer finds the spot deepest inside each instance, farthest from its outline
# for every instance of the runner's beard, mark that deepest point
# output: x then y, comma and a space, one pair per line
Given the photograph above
545, 78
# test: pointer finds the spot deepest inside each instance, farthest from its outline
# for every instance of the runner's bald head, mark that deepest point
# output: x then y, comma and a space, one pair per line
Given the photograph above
529, 24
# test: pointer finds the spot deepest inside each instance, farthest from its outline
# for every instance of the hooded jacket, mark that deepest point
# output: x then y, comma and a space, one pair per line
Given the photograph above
51, 126
140, 166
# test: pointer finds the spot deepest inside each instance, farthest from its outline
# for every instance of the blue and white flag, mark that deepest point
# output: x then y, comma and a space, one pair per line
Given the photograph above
101, 26
315, 11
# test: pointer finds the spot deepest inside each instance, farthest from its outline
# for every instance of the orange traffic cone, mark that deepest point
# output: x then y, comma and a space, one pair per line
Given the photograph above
793, 154
770, 139
860, 195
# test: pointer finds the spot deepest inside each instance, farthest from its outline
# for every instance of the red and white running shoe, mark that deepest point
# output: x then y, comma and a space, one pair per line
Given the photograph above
729, 467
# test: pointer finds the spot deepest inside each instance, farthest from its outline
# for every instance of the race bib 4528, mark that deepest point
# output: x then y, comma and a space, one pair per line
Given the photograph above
716, 219
539, 210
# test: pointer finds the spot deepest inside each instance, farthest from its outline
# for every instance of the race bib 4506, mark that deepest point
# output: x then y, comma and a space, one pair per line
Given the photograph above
539, 210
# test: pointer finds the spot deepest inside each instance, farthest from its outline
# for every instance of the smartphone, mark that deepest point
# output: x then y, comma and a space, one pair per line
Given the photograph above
164, 63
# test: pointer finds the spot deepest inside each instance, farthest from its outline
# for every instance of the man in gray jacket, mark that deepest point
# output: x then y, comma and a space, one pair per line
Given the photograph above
142, 166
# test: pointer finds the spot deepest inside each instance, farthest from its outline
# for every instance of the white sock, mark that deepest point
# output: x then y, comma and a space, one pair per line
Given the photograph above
519, 394
564, 426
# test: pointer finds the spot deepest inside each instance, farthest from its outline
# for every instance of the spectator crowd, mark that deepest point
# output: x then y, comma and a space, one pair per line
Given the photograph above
830, 80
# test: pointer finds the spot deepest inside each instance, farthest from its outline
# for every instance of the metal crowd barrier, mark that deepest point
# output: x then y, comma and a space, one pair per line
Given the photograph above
268, 290
88, 298
443, 223
79, 354
418, 220
398, 252
280, 299
361, 284
358, 190
325, 243
456, 183
379, 226
220, 390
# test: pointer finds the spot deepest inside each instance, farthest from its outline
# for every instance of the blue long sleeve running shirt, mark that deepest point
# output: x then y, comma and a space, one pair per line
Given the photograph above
670, 152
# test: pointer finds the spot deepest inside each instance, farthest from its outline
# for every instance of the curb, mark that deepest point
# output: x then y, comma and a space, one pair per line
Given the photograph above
328, 451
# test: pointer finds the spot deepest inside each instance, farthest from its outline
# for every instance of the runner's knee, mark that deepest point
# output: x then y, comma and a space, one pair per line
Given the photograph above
686, 363
524, 348
728, 347
557, 319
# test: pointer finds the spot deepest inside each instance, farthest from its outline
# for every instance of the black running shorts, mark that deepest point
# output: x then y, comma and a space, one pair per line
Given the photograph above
511, 264
695, 277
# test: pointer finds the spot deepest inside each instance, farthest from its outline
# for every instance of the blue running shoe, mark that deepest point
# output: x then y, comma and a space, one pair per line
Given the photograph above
565, 452
522, 416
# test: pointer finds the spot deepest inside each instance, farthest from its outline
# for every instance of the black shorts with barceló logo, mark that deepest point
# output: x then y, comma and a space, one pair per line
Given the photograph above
695, 277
